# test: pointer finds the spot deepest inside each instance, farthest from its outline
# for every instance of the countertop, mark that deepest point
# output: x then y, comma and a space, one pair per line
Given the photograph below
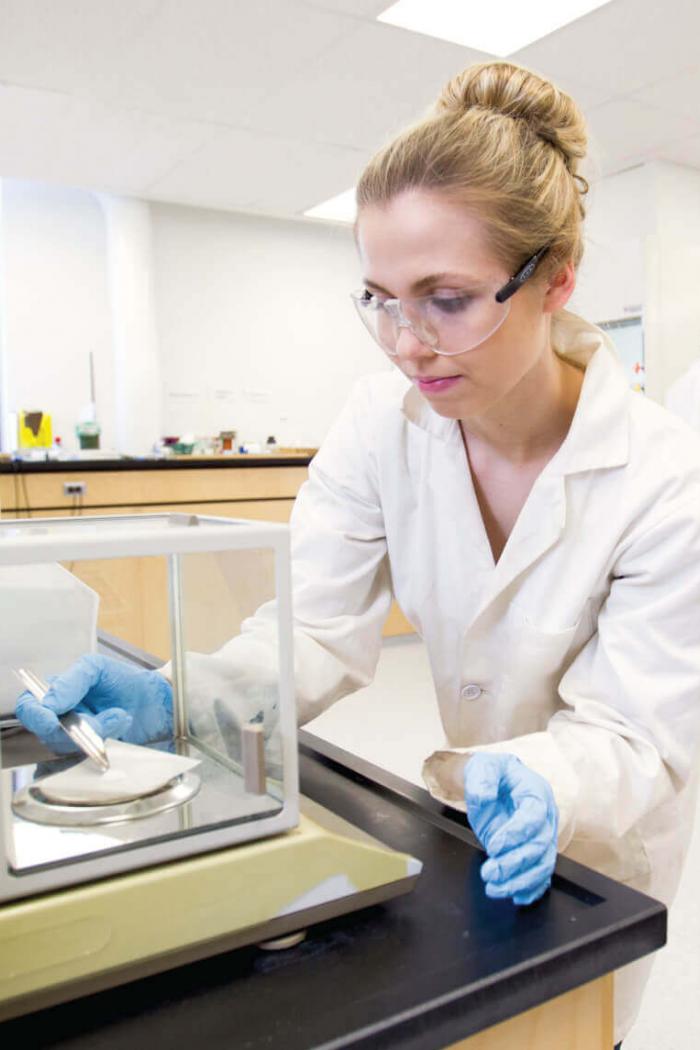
417, 973
81, 466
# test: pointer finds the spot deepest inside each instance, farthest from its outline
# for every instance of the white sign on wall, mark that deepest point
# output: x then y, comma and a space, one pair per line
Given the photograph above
628, 336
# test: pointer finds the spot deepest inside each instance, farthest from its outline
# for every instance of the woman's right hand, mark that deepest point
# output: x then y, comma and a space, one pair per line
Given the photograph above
118, 700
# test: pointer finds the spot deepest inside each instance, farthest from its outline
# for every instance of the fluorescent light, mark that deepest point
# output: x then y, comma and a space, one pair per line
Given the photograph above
496, 28
339, 209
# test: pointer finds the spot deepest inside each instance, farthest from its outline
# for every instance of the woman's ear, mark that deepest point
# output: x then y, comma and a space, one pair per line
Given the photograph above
560, 288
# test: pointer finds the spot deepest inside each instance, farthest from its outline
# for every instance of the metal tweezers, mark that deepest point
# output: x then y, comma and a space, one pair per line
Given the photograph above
75, 725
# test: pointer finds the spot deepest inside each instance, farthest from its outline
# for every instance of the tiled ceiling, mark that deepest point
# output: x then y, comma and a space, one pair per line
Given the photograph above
272, 106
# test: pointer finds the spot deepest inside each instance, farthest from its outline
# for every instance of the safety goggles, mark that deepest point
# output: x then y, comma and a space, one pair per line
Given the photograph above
451, 322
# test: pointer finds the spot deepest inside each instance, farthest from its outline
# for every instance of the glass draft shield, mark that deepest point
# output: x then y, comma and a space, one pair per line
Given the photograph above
208, 602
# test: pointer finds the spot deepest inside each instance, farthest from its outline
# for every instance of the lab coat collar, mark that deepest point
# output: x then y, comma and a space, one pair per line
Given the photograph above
599, 433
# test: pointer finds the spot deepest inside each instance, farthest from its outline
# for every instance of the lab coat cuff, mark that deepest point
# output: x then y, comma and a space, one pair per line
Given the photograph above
443, 773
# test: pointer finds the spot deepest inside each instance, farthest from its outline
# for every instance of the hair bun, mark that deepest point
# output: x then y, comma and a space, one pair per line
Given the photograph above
511, 91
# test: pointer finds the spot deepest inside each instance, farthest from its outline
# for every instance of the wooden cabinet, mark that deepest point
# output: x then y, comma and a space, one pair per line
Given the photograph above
148, 488
133, 591
579, 1020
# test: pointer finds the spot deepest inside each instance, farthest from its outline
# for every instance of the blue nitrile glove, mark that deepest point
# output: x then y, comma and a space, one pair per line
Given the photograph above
118, 700
512, 811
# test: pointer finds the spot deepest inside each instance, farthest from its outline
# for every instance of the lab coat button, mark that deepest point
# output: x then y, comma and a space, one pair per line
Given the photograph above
471, 692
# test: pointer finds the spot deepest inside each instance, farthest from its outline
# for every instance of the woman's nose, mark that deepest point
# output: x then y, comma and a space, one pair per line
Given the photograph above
409, 346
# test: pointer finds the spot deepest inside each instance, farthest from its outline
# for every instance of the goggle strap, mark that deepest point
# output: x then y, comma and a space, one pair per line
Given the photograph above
523, 275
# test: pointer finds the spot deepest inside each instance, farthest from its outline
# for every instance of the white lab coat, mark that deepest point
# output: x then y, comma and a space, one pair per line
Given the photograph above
579, 651
683, 396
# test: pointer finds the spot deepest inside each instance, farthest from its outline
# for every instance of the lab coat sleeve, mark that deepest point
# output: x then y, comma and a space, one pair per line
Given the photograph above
627, 737
341, 584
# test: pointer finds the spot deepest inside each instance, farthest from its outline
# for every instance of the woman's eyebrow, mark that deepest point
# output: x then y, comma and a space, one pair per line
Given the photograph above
430, 280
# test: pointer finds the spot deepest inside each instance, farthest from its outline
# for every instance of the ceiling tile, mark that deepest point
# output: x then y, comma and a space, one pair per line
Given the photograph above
240, 168
212, 60
624, 132
49, 136
278, 104
364, 88
360, 8
687, 152
63, 46
621, 47
678, 94
28, 121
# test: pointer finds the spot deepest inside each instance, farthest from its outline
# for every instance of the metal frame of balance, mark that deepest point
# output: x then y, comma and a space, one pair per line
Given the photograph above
93, 895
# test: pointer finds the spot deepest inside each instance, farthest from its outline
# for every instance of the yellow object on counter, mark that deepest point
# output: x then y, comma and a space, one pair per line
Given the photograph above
34, 430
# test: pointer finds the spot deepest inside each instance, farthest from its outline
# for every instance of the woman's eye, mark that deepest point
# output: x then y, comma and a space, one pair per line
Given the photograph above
451, 304
369, 299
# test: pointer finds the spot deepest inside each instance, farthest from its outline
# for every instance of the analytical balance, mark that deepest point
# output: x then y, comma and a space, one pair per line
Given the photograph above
96, 891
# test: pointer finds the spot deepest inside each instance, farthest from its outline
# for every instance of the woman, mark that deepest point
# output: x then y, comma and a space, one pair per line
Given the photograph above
538, 523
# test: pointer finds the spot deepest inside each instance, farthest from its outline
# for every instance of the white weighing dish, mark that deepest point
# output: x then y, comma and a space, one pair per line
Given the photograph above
133, 773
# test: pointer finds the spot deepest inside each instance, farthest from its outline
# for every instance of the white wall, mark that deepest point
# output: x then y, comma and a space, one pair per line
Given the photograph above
643, 256
620, 217
135, 352
6, 435
256, 328
674, 276
56, 307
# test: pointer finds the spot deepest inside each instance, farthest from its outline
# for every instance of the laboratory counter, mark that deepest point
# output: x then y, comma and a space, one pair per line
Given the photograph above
235, 459
442, 965
245, 485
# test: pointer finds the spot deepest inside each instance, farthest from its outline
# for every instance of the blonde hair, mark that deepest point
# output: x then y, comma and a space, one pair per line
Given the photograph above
507, 143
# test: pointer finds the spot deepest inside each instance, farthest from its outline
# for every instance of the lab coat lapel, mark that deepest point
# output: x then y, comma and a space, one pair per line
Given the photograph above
480, 553
539, 526
452, 495
598, 439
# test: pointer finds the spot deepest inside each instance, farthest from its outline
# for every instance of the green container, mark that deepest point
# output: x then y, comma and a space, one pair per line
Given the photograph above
88, 435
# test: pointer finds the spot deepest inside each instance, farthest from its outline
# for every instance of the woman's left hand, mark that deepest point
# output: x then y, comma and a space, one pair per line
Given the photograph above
512, 811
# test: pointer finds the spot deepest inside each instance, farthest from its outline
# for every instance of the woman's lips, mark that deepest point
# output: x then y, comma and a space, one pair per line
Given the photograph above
436, 386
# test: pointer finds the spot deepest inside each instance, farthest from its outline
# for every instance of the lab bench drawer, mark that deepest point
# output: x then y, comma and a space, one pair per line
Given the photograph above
121, 488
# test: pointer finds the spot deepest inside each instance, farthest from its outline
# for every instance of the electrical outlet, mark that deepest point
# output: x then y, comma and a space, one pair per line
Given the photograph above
74, 488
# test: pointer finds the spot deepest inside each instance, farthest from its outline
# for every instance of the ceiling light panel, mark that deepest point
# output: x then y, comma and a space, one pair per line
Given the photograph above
339, 209
497, 29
